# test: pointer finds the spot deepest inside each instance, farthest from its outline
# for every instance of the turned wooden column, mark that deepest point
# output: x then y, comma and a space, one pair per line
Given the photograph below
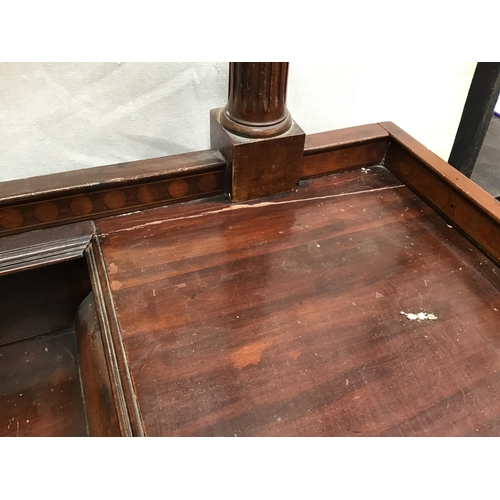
255, 132
256, 104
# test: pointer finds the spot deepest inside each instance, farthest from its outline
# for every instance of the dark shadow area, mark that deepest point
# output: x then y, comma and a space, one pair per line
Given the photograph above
487, 169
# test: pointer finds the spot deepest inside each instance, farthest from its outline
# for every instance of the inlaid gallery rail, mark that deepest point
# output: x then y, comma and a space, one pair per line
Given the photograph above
89, 194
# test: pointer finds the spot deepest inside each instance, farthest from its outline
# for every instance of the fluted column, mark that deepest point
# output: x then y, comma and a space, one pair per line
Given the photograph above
256, 105
255, 133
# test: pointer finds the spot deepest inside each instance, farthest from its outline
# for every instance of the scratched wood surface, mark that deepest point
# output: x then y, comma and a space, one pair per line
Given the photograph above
285, 317
40, 392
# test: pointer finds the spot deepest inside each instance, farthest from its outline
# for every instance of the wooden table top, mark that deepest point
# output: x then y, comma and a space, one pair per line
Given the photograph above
299, 315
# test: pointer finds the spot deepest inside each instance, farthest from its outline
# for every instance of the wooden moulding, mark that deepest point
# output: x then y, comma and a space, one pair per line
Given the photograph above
59, 199
56, 199
258, 167
256, 105
263, 146
469, 207
39, 248
101, 410
123, 394
462, 202
353, 147
45, 269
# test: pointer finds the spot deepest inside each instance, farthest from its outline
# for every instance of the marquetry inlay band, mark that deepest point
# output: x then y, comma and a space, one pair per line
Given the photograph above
107, 202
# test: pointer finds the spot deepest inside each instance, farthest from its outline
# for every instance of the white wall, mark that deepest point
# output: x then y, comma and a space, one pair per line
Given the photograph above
62, 116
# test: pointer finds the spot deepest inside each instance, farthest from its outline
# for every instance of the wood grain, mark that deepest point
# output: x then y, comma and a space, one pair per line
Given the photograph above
40, 392
75, 182
258, 167
462, 202
285, 317
104, 202
344, 138
120, 383
45, 246
256, 104
98, 394
353, 147
363, 155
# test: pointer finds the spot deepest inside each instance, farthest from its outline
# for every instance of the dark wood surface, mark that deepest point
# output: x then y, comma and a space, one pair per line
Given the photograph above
108, 176
258, 167
57, 199
352, 147
44, 246
41, 300
40, 392
285, 316
465, 205
256, 104
129, 419
322, 142
102, 416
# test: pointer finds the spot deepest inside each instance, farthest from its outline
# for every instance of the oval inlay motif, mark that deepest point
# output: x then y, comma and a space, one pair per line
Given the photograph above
46, 212
10, 218
81, 205
207, 183
178, 188
147, 194
115, 199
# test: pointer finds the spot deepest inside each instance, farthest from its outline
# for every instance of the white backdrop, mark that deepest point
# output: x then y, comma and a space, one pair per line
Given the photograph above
56, 117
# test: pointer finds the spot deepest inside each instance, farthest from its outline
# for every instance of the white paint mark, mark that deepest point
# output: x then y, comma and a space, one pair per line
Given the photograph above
181, 285
451, 227
420, 316
112, 268
378, 295
154, 292
346, 382
425, 281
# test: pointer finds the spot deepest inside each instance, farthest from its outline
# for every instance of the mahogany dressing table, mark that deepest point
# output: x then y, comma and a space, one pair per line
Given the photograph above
344, 283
